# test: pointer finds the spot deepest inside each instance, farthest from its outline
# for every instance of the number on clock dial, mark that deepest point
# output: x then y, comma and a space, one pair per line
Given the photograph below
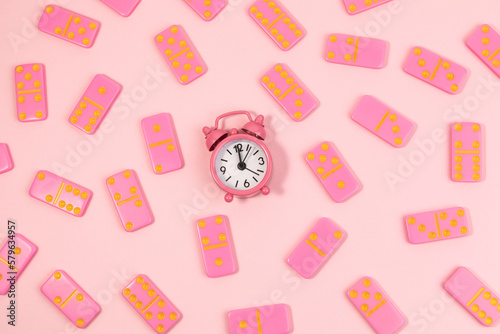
241, 164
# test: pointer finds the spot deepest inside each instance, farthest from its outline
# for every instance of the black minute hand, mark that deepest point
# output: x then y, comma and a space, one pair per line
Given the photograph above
239, 155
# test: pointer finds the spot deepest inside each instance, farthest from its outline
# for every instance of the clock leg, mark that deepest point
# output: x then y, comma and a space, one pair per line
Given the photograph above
228, 198
265, 190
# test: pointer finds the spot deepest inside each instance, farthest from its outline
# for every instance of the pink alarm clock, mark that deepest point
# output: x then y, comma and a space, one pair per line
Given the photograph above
241, 164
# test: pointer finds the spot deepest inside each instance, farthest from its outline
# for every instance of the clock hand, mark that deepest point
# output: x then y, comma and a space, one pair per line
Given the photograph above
252, 171
245, 158
239, 155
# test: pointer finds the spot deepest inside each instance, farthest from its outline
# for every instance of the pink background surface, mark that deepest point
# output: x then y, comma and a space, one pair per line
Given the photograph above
103, 258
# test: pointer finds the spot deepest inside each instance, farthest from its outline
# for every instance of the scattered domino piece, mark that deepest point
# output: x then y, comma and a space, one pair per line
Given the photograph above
475, 296
69, 26
60, 193
436, 70
207, 9
356, 51
122, 7
485, 43
151, 304
315, 249
289, 91
332, 171
466, 152
217, 246
437, 225
277, 22
31, 95
70, 299
163, 148
20, 257
375, 306
180, 54
94, 104
6, 163
358, 6
383, 121
271, 319
130, 202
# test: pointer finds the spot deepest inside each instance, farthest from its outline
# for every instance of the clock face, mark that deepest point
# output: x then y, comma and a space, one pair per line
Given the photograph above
241, 164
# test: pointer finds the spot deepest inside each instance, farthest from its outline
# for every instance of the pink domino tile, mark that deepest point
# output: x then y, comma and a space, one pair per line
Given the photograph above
436, 70
122, 7
316, 248
129, 200
277, 22
270, 319
356, 51
69, 26
60, 193
485, 43
69, 298
375, 306
94, 104
354, 7
477, 298
383, 121
31, 92
180, 54
286, 88
216, 246
161, 140
151, 304
467, 152
15, 255
207, 10
437, 225
6, 163
333, 172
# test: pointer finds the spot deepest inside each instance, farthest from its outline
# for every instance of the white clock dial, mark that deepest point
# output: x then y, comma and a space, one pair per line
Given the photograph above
241, 164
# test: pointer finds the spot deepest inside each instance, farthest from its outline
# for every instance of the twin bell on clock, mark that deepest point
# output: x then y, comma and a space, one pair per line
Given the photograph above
241, 163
